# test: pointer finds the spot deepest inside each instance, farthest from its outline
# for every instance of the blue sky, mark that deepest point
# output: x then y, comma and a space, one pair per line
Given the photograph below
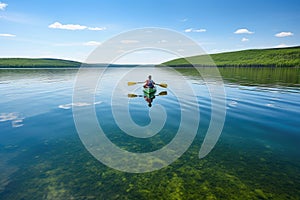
73, 29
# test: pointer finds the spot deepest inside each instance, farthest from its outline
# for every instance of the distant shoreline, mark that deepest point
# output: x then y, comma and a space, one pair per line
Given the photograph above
279, 57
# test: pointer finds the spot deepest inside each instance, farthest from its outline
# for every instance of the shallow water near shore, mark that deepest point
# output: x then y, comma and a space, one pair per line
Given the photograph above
256, 157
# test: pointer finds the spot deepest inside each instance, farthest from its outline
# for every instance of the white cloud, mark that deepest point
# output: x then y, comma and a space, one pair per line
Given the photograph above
89, 43
92, 43
3, 6
201, 30
245, 39
96, 28
284, 34
129, 41
7, 35
57, 25
243, 31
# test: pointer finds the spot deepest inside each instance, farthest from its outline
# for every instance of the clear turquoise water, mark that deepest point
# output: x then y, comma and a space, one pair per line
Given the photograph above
256, 157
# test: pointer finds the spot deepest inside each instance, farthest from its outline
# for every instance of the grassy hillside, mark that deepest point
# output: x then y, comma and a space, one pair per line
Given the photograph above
35, 63
280, 57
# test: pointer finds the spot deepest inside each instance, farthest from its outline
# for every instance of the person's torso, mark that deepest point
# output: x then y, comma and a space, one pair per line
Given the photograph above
150, 83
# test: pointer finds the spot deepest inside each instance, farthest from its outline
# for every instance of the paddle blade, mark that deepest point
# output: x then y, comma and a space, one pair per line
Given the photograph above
132, 83
132, 95
164, 85
163, 93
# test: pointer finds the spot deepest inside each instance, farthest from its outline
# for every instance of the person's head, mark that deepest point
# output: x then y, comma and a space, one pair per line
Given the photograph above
149, 77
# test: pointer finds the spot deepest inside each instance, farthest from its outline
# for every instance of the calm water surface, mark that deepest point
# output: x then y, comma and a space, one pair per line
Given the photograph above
256, 157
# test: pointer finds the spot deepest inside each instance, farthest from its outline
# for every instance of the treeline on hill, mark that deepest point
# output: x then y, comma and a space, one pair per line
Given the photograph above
36, 63
279, 57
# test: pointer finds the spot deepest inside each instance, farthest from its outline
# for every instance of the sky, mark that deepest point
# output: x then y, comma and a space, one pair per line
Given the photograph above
73, 29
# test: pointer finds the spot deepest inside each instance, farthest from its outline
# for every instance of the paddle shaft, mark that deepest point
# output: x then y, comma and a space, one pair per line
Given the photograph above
164, 85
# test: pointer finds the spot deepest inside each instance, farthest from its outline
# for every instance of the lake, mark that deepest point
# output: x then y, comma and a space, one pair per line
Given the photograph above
43, 156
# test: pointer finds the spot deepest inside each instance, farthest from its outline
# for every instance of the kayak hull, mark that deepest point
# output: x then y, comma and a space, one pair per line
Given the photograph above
149, 90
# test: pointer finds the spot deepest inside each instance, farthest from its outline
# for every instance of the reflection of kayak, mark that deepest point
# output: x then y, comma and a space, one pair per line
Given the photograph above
149, 90
149, 95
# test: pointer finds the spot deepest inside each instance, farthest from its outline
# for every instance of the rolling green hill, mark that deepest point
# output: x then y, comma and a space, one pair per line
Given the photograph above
279, 57
36, 63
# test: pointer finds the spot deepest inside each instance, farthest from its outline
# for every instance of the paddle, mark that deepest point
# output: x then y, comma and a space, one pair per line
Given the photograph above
164, 85
134, 95
162, 93
133, 83
159, 94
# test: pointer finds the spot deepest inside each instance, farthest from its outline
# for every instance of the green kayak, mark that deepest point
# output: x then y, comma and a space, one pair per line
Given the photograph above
149, 90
